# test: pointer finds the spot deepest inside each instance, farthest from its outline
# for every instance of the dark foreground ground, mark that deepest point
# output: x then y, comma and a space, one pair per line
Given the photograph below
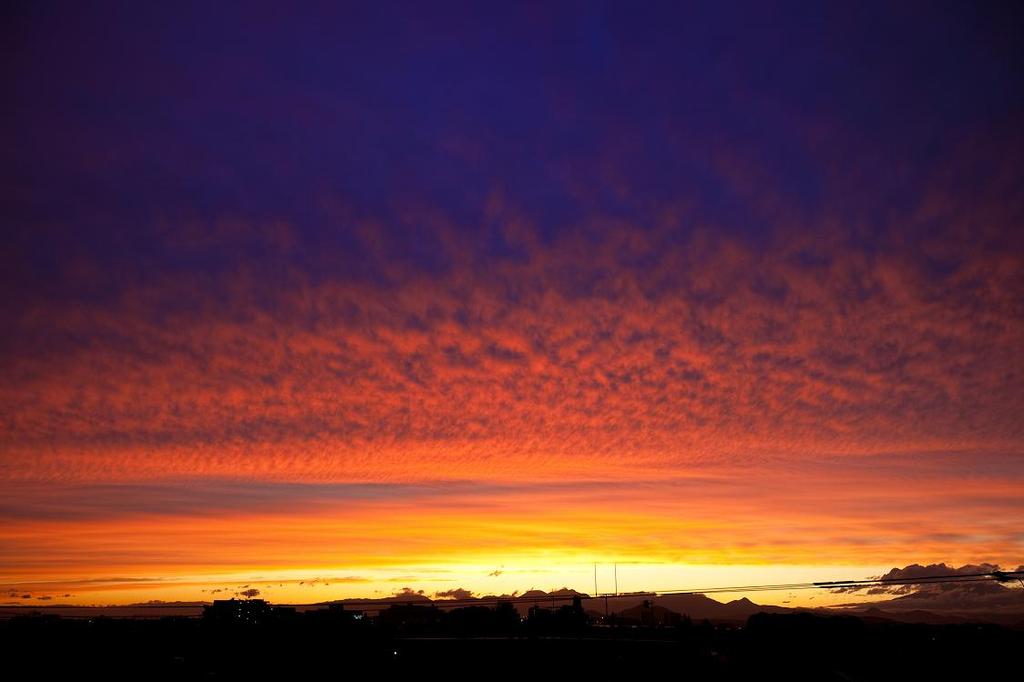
799, 646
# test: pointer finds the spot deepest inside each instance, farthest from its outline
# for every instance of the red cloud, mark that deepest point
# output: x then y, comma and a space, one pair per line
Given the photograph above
762, 399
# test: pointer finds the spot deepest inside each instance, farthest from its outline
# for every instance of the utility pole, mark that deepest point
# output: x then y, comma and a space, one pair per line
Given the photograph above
616, 578
595, 579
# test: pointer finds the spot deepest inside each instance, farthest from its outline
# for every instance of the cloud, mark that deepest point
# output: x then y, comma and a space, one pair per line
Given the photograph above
766, 509
454, 593
917, 571
963, 596
757, 364
536, 361
914, 571
250, 593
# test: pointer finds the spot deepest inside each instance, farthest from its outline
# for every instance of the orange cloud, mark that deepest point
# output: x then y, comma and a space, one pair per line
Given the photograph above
639, 392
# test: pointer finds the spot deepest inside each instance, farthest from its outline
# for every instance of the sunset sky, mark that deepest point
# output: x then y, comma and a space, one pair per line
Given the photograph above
346, 300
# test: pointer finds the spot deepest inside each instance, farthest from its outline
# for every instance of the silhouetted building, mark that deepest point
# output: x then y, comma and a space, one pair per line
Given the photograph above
340, 612
650, 615
409, 615
249, 611
564, 619
470, 620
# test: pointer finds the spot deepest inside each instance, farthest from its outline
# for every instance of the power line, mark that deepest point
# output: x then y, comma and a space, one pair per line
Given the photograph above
998, 576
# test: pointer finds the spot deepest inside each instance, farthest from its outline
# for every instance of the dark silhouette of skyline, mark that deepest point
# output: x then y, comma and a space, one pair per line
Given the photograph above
251, 639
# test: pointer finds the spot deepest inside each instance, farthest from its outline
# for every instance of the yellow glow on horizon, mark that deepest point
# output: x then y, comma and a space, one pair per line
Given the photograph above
327, 583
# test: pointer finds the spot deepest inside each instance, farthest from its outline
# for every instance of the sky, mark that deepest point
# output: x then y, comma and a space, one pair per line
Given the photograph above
342, 299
